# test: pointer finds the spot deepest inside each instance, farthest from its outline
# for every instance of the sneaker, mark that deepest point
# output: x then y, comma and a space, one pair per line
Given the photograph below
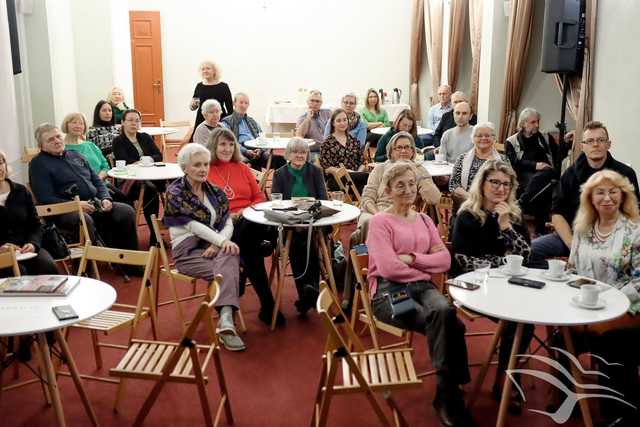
231, 342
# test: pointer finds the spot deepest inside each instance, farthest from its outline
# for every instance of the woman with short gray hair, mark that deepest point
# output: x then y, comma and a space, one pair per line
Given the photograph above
211, 111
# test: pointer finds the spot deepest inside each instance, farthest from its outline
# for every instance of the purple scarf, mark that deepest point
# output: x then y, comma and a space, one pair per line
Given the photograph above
184, 206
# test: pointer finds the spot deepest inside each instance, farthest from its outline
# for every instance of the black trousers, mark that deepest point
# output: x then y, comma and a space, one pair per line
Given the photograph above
150, 202
436, 318
372, 139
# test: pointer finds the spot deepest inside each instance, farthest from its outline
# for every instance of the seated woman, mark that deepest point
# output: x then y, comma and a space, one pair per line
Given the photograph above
116, 99
341, 147
130, 146
401, 147
405, 122
468, 164
211, 111
405, 248
356, 125
104, 129
299, 178
606, 247
21, 227
374, 115
201, 227
491, 215
256, 241
74, 125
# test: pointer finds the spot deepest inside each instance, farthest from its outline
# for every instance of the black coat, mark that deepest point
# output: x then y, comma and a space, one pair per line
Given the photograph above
19, 219
312, 177
123, 149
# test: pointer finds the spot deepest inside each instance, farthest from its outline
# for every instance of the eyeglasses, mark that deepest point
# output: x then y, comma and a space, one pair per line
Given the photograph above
403, 148
315, 100
614, 192
349, 103
401, 188
485, 136
594, 141
496, 183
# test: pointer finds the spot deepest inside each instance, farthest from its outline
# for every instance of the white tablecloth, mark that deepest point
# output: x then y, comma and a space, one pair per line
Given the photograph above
288, 112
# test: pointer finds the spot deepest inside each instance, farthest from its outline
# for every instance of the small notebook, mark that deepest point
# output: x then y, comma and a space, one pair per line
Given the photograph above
48, 285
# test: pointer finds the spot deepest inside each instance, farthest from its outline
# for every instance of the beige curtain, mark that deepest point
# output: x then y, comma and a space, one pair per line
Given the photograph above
475, 32
433, 37
579, 97
457, 21
519, 37
417, 27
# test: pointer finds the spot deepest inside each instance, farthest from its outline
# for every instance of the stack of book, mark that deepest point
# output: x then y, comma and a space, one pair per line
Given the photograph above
48, 285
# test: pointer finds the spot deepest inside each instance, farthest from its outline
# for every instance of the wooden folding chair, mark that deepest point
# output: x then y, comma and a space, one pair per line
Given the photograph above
346, 185
167, 143
75, 249
179, 362
362, 371
166, 268
110, 321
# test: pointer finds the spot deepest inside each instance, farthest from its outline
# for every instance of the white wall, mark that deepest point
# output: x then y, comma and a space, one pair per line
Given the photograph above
269, 49
616, 95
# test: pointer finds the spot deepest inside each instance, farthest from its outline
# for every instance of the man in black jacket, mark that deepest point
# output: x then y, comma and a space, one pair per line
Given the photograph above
57, 175
566, 198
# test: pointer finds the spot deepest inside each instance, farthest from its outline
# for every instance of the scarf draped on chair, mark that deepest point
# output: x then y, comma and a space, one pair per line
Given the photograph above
353, 121
184, 206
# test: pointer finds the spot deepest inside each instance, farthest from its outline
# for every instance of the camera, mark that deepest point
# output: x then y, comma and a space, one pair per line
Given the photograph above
97, 204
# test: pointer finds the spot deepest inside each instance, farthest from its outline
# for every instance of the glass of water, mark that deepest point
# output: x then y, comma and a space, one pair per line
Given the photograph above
276, 200
337, 197
481, 269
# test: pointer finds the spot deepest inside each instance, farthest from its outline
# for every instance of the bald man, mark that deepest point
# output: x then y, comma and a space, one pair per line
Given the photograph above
457, 140
447, 121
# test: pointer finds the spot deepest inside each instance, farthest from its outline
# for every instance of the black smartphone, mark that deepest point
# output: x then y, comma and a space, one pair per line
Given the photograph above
526, 282
159, 164
463, 285
64, 312
581, 281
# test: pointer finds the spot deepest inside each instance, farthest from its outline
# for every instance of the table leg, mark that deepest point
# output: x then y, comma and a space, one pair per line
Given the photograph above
326, 259
140, 203
485, 365
506, 389
75, 375
577, 375
284, 259
52, 382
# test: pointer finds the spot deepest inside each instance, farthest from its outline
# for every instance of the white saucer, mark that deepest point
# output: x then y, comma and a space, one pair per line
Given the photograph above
562, 278
146, 166
440, 162
575, 300
523, 271
25, 256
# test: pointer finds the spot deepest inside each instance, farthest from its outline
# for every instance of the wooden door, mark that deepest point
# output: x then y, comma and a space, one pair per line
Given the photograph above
146, 60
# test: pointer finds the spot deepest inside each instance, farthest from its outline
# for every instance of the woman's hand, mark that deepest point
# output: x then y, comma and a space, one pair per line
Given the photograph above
542, 165
194, 105
106, 205
27, 247
406, 258
102, 175
230, 248
211, 251
502, 209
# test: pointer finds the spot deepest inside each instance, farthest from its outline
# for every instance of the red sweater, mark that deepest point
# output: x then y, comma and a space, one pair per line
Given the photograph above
244, 188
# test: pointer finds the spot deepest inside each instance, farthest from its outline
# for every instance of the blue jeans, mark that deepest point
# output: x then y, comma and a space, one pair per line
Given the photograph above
547, 246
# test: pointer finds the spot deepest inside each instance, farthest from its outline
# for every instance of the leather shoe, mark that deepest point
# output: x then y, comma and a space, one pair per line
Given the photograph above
451, 411
265, 317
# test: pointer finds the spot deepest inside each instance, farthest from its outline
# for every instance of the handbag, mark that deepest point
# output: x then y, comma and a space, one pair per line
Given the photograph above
398, 297
53, 242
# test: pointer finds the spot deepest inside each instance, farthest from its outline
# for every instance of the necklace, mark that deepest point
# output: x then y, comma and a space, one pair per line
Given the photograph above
599, 234
228, 191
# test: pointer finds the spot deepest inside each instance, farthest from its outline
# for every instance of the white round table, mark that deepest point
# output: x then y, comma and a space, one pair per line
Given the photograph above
550, 306
137, 172
383, 130
256, 214
34, 316
157, 130
289, 112
437, 169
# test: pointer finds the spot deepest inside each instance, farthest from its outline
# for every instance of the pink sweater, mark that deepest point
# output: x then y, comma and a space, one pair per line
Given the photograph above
390, 236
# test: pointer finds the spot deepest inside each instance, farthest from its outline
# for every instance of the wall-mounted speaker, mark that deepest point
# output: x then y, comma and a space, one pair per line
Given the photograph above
563, 36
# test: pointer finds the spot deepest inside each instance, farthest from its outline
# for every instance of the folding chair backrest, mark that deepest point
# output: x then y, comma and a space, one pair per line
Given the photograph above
335, 321
73, 206
8, 260
175, 143
158, 226
97, 254
351, 189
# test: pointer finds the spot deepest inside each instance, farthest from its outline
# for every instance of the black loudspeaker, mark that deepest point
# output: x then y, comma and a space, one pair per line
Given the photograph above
563, 36
13, 36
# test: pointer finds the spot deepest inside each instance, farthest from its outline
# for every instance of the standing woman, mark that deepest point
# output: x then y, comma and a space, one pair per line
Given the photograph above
375, 116
21, 228
74, 126
130, 146
116, 99
104, 129
211, 87
341, 147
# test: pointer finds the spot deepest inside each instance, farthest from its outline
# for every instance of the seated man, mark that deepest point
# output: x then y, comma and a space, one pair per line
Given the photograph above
357, 125
447, 121
311, 124
438, 110
457, 140
58, 175
536, 159
566, 197
246, 128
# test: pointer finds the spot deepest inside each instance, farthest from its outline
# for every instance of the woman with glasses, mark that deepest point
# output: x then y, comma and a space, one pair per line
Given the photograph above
130, 146
491, 215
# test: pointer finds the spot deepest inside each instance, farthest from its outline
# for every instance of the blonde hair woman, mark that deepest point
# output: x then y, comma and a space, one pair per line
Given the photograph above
374, 114
210, 87
74, 125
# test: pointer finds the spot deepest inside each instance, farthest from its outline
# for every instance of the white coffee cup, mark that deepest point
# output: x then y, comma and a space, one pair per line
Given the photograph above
146, 160
121, 165
440, 157
589, 294
556, 267
513, 263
